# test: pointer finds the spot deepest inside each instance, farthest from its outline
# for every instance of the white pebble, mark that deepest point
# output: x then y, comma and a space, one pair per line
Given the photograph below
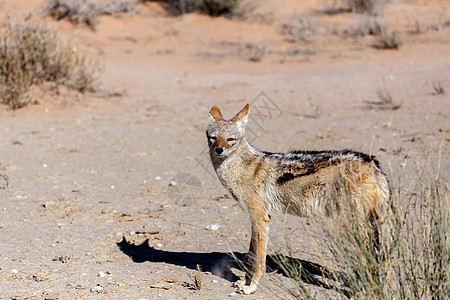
15, 271
173, 183
159, 245
101, 274
158, 178
44, 165
213, 227
112, 187
232, 294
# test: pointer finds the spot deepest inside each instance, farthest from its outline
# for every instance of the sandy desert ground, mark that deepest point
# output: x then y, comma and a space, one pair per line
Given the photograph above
114, 197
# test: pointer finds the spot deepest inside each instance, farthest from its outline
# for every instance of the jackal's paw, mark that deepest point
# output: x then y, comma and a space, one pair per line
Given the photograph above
248, 289
239, 284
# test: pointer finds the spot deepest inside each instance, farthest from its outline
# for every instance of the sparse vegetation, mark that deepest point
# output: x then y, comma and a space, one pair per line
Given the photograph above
197, 278
86, 11
367, 25
415, 263
412, 262
229, 8
218, 7
370, 21
302, 29
438, 88
253, 51
385, 100
33, 54
390, 38
367, 7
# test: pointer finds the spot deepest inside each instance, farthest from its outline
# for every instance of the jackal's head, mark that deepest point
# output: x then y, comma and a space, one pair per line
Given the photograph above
224, 137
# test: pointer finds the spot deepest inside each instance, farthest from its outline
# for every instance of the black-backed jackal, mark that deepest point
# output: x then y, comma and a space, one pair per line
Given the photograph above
303, 183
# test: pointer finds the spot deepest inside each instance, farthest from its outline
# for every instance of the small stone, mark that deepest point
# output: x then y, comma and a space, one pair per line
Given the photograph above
14, 271
213, 227
173, 183
172, 279
158, 178
232, 294
159, 245
101, 274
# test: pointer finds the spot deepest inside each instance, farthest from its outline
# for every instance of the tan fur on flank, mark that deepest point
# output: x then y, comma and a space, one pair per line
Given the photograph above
303, 183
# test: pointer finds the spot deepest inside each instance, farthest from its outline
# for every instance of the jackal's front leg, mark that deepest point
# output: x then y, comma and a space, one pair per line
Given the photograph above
256, 260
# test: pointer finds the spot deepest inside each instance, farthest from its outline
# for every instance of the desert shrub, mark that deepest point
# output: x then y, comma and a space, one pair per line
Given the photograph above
87, 12
367, 25
390, 38
368, 7
302, 29
113, 7
218, 7
387, 36
180, 7
76, 11
210, 7
32, 54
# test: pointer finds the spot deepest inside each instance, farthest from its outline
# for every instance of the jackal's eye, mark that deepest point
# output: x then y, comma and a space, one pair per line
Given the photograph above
231, 139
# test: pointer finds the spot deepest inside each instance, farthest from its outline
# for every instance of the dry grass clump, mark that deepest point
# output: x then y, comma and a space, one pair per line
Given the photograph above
412, 260
32, 54
385, 100
367, 7
367, 25
415, 261
197, 279
386, 36
302, 29
218, 7
252, 51
229, 8
370, 21
180, 7
88, 11
438, 88
390, 38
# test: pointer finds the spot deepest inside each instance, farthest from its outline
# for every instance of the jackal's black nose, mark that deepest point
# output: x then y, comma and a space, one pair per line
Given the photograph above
218, 151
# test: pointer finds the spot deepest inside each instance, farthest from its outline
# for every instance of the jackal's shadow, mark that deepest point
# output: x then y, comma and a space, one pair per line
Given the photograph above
220, 263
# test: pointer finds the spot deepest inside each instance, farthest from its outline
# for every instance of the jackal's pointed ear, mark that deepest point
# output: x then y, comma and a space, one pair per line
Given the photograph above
215, 115
242, 117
